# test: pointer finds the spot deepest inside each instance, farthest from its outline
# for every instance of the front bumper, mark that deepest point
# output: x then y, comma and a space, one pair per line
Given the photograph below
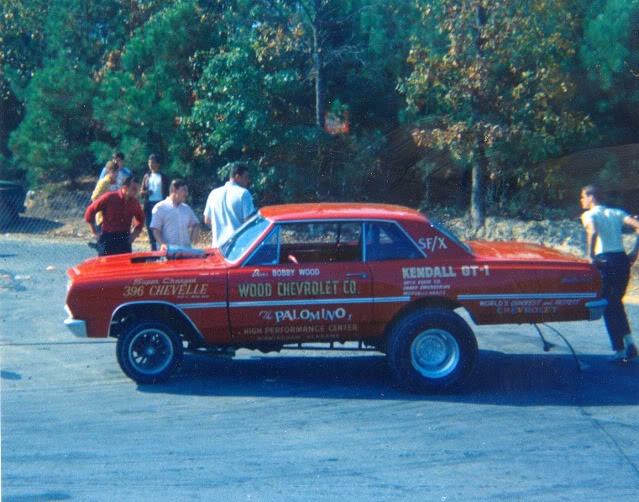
596, 309
77, 327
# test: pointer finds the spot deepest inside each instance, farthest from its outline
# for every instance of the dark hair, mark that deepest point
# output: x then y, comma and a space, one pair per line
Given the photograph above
178, 183
155, 158
593, 190
237, 169
118, 155
130, 179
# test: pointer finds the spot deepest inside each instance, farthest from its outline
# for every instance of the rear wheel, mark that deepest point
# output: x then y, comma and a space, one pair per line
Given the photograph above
431, 350
149, 352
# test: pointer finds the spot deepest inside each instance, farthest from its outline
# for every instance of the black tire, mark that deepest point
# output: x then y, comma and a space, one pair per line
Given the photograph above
431, 350
149, 352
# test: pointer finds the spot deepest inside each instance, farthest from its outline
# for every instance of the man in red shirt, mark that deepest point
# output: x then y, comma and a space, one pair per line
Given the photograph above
118, 210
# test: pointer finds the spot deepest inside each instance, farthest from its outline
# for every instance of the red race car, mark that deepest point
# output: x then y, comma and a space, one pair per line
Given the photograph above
382, 276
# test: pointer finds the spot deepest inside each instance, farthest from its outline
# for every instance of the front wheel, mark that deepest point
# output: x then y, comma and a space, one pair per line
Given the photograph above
431, 350
149, 352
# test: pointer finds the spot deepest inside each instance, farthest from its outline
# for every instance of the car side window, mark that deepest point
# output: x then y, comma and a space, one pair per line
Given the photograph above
320, 242
387, 241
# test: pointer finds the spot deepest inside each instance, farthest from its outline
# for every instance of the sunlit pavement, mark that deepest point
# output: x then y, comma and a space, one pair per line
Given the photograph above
304, 426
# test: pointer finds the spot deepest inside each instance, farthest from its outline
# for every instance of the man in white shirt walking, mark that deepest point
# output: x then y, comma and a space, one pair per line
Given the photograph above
604, 228
228, 206
173, 222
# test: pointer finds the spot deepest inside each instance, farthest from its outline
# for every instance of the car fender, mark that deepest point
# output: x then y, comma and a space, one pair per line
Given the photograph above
167, 311
430, 302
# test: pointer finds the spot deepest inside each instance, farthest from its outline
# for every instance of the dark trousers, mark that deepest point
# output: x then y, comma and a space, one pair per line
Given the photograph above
114, 243
615, 274
148, 214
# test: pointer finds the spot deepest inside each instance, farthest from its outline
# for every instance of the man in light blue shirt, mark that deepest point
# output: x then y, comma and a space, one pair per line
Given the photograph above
229, 206
118, 158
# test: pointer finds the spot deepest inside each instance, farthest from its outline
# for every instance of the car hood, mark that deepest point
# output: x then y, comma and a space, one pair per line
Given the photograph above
520, 251
144, 264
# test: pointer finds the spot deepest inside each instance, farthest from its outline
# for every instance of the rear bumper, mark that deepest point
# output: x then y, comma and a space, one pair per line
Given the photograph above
77, 327
596, 309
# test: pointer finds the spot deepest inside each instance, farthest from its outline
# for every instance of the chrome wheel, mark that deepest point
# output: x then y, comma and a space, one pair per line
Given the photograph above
434, 353
431, 350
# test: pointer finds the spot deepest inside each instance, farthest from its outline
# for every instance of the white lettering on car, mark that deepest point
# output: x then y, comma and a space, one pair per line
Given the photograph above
311, 315
283, 272
432, 244
309, 271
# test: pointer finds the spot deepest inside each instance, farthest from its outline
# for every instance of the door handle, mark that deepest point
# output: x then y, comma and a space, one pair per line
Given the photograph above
361, 275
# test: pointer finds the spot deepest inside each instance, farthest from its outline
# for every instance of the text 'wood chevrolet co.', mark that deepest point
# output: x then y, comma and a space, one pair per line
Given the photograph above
382, 276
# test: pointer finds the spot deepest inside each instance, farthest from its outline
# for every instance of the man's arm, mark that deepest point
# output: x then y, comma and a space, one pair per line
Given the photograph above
208, 211
634, 223
139, 218
89, 217
195, 233
158, 238
248, 207
591, 237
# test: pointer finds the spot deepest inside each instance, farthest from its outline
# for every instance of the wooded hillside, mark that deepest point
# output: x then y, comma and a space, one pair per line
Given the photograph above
501, 106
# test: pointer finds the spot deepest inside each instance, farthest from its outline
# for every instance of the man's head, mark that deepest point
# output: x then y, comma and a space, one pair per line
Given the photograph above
179, 191
590, 196
118, 158
112, 169
239, 173
130, 185
154, 162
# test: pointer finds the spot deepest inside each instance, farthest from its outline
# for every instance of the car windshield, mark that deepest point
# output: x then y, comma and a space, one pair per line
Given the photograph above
244, 238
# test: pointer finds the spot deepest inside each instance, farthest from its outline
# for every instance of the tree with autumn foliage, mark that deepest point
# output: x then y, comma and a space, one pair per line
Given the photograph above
262, 97
493, 91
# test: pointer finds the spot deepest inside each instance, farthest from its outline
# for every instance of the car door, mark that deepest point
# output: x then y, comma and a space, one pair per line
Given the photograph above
305, 282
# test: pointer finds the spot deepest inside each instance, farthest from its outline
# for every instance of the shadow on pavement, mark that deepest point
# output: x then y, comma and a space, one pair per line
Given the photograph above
31, 225
501, 379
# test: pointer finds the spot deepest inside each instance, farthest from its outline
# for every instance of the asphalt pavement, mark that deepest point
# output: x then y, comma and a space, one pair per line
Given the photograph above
535, 425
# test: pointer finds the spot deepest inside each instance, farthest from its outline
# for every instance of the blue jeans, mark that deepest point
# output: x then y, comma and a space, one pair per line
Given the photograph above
615, 274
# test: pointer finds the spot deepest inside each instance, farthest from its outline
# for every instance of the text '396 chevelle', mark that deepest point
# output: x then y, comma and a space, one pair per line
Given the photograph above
383, 276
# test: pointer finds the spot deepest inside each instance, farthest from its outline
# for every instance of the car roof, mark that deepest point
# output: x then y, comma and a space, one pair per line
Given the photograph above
341, 211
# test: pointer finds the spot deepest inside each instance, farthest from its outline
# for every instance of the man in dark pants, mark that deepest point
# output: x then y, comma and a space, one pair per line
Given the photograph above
119, 208
604, 229
154, 189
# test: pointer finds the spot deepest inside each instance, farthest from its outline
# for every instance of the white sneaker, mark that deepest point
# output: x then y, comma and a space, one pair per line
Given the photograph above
619, 358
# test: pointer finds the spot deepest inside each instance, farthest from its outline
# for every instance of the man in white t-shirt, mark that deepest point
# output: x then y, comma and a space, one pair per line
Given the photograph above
174, 223
604, 229
229, 206
154, 188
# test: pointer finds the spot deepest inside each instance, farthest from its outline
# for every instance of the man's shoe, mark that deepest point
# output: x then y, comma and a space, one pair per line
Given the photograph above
631, 353
619, 358
620, 361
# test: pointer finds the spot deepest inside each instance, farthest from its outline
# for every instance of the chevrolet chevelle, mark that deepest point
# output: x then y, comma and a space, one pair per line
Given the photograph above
385, 277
